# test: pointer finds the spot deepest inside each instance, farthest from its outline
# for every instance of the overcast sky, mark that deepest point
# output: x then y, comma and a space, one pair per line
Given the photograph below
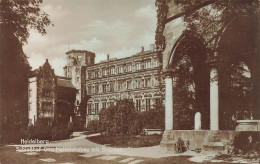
115, 27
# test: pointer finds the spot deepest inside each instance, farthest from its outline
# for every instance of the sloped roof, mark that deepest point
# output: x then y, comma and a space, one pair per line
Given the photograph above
64, 82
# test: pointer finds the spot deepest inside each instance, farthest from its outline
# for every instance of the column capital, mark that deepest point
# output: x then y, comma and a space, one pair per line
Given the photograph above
167, 72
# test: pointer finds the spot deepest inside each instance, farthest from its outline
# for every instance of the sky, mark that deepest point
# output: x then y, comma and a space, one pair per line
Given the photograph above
115, 27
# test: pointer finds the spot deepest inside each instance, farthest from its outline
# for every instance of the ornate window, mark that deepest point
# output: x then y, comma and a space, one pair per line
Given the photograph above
138, 105
147, 104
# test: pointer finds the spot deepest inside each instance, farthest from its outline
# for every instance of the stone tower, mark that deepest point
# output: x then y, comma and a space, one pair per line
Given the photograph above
77, 60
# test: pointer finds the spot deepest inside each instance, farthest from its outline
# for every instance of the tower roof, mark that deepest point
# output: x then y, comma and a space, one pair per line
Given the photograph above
79, 51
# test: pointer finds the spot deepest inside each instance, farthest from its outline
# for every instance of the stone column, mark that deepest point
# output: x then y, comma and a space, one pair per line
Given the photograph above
214, 121
168, 103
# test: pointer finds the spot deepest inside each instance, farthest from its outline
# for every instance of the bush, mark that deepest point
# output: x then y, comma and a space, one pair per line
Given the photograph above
39, 131
247, 141
179, 146
60, 132
116, 120
123, 119
93, 126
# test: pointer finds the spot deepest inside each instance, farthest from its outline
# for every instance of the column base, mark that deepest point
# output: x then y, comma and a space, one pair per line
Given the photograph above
213, 143
167, 144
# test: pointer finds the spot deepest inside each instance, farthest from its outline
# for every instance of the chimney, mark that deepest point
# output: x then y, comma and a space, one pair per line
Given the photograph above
142, 49
107, 57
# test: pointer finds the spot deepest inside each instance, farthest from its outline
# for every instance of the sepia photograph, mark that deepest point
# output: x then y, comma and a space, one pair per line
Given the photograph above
129, 81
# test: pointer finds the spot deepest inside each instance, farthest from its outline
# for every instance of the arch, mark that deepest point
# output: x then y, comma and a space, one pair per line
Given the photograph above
186, 38
239, 43
190, 70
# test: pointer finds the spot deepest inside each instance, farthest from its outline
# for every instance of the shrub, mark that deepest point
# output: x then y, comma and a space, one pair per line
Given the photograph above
123, 119
40, 131
247, 141
116, 120
93, 126
60, 132
179, 146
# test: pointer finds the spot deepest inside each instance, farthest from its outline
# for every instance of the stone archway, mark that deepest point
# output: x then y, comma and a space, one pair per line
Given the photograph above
239, 48
187, 66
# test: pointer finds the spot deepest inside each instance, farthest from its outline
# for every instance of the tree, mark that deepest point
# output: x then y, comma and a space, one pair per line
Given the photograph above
16, 18
21, 15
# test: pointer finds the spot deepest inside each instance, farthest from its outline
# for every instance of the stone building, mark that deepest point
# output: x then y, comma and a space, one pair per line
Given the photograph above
137, 77
77, 60
51, 97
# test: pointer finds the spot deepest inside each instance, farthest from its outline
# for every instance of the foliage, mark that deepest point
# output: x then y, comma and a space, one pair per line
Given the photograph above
60, 132
123, 119
21, 15
14, 70
128, 141
209, 21
93, 126
179, 146
83, 106
162, 10
116, 120
246, 142
40, 131
16, 18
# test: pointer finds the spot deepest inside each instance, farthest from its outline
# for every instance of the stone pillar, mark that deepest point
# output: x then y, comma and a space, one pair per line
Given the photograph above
214, 122
197, 121
168, 103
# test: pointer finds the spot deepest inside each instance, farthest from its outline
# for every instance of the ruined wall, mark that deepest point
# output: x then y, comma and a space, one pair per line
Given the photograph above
172, 31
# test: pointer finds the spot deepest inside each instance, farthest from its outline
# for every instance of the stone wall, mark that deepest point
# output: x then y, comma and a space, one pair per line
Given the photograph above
196, 138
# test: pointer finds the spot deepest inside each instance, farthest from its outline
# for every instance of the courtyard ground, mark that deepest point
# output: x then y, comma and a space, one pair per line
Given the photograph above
80, 150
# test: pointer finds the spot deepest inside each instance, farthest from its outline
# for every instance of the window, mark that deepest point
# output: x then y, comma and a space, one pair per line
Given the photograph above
138, 85
89, 75
112, 71
89, 109
46, 92
138, 66
147, 82
120, 69
104, 105
156, 63
104, 87
104, 72
77, 102
96, 73
156, 82
77, 79
89, 89
129, 68
97, 88
147, 64
138, 105
128, 85
96, 108
46, 105
119, 86
147, 104
112, 86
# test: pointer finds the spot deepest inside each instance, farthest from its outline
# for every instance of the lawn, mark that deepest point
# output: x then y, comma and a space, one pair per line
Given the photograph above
127, 141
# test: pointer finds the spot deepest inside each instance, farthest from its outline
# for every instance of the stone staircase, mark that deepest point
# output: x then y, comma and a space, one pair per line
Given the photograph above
213, 143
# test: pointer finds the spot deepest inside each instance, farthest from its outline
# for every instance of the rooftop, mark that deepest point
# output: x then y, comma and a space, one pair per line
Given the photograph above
79, 51
64, 82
